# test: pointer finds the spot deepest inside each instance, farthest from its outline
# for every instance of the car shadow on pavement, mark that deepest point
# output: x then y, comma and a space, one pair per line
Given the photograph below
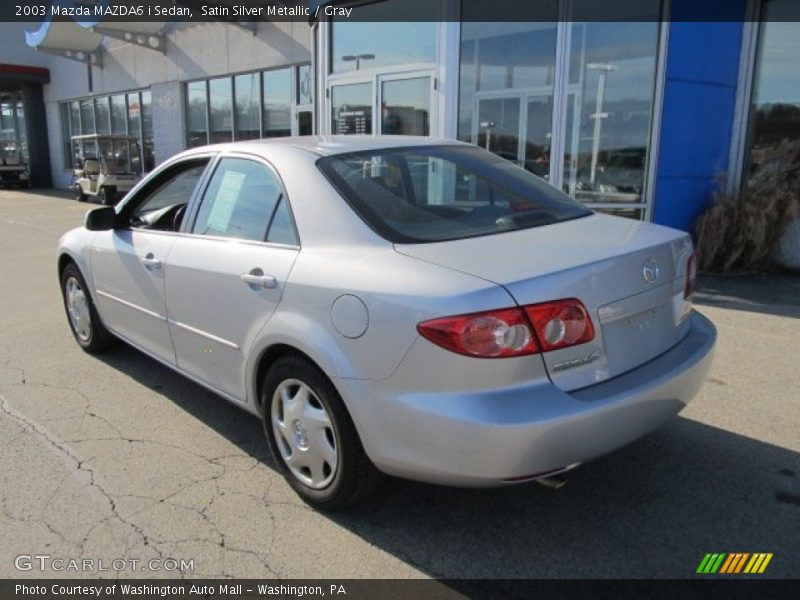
652, 509
768, 293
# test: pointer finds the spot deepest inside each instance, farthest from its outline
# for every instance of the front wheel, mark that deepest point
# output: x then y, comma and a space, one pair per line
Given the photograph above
89, 331
79, 195
106, 197
312, 437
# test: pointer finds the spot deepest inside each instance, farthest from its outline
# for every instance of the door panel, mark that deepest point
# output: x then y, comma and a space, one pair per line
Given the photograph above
221, 292
128, 270
214, 315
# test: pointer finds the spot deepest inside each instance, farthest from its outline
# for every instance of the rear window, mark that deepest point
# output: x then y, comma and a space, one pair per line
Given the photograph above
437, 193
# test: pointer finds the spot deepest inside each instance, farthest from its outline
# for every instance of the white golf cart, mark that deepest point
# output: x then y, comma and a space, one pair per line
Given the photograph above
13, 170
107, 168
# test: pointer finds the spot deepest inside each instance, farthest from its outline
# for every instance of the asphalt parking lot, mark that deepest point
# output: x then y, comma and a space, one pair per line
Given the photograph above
118, 457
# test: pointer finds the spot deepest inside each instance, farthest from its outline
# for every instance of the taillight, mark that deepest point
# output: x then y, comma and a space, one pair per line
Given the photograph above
691, 278
492, 334
512, 331
561, 323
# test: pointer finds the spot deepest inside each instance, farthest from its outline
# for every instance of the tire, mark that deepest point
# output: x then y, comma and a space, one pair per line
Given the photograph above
106, 198
318, 427
84, 322
79, 195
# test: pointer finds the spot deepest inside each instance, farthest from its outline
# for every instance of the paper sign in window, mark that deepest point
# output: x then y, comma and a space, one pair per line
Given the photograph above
225, 201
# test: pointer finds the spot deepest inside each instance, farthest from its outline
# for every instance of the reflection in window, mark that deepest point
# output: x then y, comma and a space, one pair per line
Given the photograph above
351, 107
774, 141
278, 103
507, 76
220, 110
385, 34
406, 106
609, 109
196, 114
248, 122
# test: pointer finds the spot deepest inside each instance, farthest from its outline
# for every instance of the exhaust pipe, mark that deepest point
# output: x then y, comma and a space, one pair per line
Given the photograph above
550, 479
554, 482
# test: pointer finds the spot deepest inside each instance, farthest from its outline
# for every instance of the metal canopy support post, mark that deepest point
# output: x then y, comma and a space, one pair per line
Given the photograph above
93, 59
151, 41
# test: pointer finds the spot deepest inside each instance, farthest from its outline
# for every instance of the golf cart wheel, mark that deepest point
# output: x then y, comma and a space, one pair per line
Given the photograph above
106, 197
79, 195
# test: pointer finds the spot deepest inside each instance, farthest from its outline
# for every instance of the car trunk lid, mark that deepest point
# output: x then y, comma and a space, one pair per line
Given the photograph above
601, 261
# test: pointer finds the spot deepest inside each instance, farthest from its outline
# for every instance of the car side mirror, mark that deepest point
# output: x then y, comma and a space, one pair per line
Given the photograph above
101, 219
91, 166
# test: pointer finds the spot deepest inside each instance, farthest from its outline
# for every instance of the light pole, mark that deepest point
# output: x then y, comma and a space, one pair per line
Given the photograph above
358, 58
598, 115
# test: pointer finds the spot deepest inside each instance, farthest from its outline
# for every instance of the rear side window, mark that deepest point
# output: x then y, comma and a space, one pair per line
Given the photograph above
241, 200
437, 193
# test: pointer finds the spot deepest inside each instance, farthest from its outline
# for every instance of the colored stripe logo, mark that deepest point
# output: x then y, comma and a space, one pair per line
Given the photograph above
734, 563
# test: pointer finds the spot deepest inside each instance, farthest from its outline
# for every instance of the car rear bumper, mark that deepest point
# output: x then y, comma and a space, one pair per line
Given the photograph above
489, 437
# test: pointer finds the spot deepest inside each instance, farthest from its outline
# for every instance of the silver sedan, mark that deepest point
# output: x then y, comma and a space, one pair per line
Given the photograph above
407, 306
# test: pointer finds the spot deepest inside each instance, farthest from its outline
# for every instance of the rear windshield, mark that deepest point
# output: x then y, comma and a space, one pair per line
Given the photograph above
437, 193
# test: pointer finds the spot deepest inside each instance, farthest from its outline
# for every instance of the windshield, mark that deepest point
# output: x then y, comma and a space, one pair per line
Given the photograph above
437, 193
9, 151
116, 155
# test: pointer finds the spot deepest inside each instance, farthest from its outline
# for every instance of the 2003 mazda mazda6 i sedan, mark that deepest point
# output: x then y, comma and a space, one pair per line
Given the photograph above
398, 305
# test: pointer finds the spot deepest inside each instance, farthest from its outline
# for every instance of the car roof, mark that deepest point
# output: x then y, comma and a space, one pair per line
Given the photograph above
328, 145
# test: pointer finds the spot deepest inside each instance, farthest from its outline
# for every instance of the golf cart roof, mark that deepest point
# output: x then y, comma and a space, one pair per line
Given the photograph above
106, 136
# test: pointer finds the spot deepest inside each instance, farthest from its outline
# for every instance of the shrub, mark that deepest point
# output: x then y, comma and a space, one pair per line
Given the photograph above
739, 232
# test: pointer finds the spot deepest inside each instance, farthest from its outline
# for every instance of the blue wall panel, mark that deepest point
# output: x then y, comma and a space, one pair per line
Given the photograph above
699, 103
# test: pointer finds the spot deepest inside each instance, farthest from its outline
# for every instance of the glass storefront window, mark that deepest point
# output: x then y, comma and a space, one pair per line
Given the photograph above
351, 107
508, 98
220, 110
119, 115
405, 106
774, 137
196, 114
609, 109
383, 34
87, 116
75, 117
134, 127
102, 116
148, 140
246, 92
278, 103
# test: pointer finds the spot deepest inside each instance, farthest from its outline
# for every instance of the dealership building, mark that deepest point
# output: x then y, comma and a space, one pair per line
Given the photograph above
643, 113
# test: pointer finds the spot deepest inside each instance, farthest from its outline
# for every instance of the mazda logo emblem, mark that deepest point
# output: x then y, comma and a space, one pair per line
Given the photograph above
650, 270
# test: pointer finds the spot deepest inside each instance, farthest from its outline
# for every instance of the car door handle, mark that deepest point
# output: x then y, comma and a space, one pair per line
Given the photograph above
151, 262
257, 279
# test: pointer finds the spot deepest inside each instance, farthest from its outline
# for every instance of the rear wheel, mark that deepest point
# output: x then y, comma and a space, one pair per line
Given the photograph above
89, 331
312, 436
